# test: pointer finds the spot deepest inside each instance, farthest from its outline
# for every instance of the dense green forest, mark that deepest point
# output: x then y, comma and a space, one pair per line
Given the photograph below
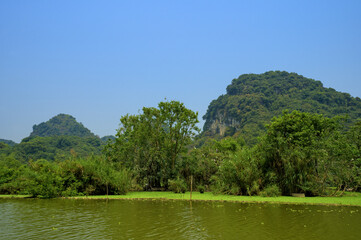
8, 142
57, 139
62, 124
52, 148
316, 152
252, 100
108, 138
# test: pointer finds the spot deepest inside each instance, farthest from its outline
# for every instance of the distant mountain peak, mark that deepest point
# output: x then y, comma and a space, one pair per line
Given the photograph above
252, 100
61, 124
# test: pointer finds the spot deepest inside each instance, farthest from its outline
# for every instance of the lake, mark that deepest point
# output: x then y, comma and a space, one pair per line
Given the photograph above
157, 219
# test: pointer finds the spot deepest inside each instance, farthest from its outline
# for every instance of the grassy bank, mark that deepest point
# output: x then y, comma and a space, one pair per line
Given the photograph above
14, 196
349, 199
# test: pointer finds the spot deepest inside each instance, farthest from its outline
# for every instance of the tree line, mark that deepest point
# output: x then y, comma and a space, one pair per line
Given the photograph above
158, 149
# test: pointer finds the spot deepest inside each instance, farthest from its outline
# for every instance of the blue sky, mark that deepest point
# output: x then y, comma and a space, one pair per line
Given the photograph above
99, 60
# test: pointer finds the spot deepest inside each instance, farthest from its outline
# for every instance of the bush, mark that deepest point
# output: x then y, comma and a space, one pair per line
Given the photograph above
217, 186
42, 179
135, 187
234, 190
201, 189
121, 181
254, 189
177, 186
70, 192
271, 191
240, 173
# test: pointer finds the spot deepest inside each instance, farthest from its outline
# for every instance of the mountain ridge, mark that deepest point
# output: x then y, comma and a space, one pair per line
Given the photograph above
252, 100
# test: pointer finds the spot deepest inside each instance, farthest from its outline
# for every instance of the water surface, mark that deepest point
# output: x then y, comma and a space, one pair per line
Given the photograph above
156, 219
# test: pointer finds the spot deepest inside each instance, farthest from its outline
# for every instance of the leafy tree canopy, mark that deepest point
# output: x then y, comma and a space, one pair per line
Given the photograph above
307, 153
151, 143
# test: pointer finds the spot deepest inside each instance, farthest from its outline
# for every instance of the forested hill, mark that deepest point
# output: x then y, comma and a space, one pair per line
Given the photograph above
62, 124
252, 100
57, 139
8, 142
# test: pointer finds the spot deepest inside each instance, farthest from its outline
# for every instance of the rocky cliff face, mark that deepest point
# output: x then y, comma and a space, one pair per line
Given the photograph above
223, 126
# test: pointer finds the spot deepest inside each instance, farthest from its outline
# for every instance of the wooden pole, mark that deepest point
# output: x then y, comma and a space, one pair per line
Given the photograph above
191, 187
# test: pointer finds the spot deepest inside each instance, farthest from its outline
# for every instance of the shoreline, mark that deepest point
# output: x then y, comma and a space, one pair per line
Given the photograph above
350, 199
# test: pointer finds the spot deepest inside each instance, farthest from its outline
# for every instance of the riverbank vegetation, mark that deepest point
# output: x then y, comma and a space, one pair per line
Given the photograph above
72, 177
348, 199
155, 151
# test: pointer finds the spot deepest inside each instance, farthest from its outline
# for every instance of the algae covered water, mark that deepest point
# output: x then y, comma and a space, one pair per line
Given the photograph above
156, 219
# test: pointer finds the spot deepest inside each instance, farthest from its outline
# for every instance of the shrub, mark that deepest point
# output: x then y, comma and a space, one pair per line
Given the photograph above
234, 190
254, 189
69, 192
201, 189
135, 187
217, 186
270, 191
177, 185
240, 173
121, 181
43, 179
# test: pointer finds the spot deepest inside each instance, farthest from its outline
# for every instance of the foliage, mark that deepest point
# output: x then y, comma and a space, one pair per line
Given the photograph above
239, 173
54, 148
204, 162
201, 189
177, 185
354, 139
353, 199
306, 152
105, 139
103, 176
8, 142
42, 179
59, 125
72, 177
299, 152
271, 191
152, 142
252, 100
57, 139
10, 170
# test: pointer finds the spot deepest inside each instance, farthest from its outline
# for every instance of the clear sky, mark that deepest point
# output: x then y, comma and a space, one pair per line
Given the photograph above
99, 60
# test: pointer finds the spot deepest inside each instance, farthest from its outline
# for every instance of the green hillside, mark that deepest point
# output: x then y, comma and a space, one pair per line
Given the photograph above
57, 139
8, 142
62, 124
252, 100
105, 139
57, 147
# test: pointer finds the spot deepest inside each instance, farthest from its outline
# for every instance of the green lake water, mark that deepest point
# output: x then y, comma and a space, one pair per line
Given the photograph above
156, 219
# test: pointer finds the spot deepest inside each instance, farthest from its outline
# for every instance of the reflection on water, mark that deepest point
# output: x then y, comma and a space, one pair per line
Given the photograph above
155, 219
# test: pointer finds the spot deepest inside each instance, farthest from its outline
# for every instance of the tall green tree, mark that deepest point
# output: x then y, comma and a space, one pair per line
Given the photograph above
297, 150
152, 142
354, 139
